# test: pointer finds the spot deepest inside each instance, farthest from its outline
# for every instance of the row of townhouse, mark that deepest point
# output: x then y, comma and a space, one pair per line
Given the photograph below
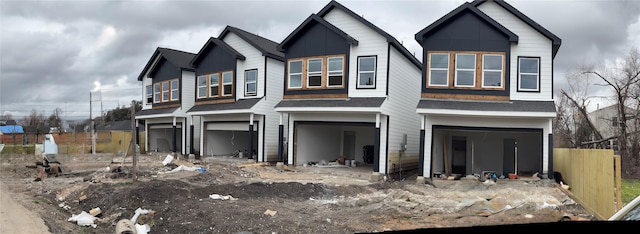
340, 86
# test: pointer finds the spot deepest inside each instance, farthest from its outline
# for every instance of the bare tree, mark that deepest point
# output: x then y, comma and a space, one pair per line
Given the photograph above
33, 119
623, 78
6, 116
55, 119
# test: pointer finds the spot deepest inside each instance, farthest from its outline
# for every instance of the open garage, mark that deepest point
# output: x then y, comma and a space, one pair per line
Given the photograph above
316, 141
161, 137
229, 138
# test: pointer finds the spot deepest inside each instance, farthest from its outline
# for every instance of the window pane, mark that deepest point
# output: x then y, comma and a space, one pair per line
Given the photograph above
529, 82
165, 96
438, 77
149, 92
335, 80
315, 81
227, 77
214, 79
214, 91
250, 76
202, 91
251, 87
528, 65
174, 94
335, 64
367, 64
439, 61
315, 65
295, 81
295, 67
228, 90
465, 61
366, 79
174, 84
492, 62
165, 86
465, 78
202, 80
492, 78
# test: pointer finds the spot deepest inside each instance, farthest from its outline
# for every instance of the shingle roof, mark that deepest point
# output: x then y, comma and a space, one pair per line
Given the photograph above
155, 111
211, 42
264, 45
523, 106
555, 39
178, 58
466, 7
237, 105
392, 40
349, 102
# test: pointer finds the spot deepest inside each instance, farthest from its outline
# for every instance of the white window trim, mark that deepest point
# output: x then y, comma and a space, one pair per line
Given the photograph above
246, 83
164, 91
202, 95
174, 89
148, 94
465, 69
440, 69
216, 85
520, 73
375, 68
341, 71
290, 74
157, 93
493, 70
227, 83
309, 73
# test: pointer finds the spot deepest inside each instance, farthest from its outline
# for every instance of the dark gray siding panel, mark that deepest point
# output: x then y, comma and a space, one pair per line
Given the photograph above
216, 60
165, 71
317, 40
467, 32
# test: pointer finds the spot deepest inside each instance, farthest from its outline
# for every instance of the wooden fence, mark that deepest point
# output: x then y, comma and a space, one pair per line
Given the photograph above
116, 142
593, 176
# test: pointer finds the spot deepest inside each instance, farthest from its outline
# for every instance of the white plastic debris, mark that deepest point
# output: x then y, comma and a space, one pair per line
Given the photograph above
167, 160
84, 219
137, 214
222, 197
140, 229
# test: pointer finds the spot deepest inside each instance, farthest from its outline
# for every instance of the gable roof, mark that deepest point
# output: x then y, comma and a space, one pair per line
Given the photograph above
178, 58
556, 41
217, 42
264, 45
466, 7
390, 39
307, 23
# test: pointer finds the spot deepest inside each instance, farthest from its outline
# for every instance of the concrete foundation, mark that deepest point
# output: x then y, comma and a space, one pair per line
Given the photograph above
420, 180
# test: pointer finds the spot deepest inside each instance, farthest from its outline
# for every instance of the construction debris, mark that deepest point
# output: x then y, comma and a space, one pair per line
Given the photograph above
84, 219
270, 212
222, 197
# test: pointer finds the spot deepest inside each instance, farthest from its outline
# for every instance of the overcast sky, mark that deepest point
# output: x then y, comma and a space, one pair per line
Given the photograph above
54, 53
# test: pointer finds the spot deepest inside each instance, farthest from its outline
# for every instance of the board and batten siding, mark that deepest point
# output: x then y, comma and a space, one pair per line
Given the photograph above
404, 95
487, 122
531, 43
254, 60
370, 43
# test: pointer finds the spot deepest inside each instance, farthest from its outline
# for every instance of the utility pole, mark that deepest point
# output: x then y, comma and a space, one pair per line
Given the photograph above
133, 143
93, 134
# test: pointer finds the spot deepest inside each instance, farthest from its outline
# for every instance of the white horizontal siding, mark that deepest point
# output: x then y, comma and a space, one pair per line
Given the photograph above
254, 60
369, 43
188, 90
531, 43
274, 81
404, 94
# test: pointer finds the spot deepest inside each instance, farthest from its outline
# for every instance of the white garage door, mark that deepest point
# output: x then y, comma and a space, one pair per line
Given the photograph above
231, 126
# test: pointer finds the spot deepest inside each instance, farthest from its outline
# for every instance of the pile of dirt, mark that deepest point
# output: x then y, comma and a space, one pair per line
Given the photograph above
263, 199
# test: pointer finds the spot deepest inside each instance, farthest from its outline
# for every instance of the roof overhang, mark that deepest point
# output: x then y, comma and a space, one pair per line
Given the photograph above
476, 113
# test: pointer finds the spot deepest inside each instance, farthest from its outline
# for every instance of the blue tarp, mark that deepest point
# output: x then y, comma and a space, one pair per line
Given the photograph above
8, 129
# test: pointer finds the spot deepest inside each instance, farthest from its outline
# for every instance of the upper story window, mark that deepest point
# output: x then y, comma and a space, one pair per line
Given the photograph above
149, 94
227, 83
218, 84
316, 72
366, 72
614, 121
492, 68
438, 69
166, 91
466, 70
156, 93
214, 85
250, 82
528, 74
202, 86
175, 87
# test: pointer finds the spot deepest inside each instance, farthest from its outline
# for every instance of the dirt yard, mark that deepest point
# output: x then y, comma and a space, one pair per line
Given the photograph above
262, 199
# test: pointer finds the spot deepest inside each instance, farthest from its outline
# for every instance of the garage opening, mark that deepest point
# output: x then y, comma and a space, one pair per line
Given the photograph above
231, 139
161, 137
319, 142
